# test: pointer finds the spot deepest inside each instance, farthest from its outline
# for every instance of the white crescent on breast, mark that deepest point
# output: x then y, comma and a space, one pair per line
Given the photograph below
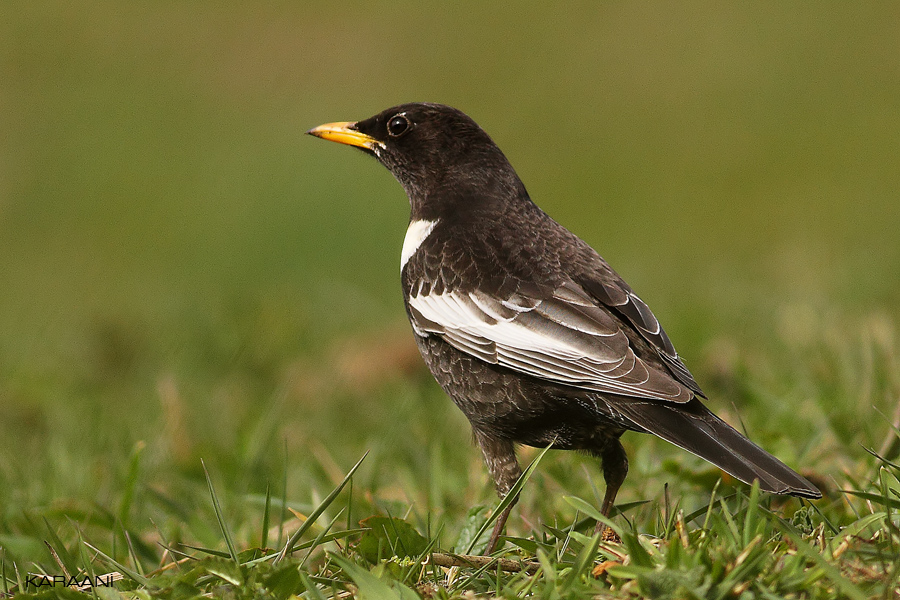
415, 235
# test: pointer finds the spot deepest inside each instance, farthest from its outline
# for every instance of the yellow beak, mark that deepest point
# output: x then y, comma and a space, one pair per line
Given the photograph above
343, 134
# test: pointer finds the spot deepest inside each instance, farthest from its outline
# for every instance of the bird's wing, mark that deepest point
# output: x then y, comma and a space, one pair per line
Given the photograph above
609, 289
563, 337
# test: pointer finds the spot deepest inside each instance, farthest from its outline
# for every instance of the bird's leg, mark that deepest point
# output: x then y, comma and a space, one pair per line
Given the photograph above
498, 528
615, 468
500, 458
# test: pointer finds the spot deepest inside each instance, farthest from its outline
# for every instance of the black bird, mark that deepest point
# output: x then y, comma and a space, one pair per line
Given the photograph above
534, 337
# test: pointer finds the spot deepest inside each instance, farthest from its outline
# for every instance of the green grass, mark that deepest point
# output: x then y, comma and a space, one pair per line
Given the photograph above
201, 330
283, 511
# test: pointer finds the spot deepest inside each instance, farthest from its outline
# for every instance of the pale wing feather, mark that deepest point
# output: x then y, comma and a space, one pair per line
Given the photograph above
564, 339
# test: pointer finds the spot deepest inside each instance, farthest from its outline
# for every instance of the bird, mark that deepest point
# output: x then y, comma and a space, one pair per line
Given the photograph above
529, 331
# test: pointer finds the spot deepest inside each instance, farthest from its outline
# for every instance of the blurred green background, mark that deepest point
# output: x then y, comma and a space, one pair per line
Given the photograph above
181, 265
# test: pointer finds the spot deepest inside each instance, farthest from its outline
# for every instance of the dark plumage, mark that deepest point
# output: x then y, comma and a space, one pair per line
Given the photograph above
527, 329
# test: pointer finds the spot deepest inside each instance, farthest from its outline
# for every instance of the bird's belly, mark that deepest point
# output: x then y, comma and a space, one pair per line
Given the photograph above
510, 405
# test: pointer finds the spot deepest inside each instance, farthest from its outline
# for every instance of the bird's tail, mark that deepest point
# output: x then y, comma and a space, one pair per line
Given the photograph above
696, 429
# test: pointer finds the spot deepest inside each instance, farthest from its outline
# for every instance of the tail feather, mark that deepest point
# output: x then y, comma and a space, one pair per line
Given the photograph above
695, 428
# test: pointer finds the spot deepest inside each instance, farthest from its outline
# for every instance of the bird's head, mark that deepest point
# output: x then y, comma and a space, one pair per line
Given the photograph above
432, 150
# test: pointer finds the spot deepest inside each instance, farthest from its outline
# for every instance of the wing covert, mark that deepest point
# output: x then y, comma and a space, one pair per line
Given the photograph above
564, 338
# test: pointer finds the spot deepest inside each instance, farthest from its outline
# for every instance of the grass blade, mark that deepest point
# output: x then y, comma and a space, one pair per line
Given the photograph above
318, 540
289, 546
752, 519
134, 467
60, 554
3, 572
147, 583
591, 511
131, 553
264, 537
877, 498
220, 518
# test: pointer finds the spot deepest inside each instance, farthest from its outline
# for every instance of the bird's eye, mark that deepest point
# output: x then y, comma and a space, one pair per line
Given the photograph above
398, 125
